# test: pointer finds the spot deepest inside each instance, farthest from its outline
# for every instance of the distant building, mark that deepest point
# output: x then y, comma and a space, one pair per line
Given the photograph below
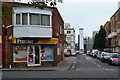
88, 43
70, 38
66, 25
81, 39
118, 4
94, 33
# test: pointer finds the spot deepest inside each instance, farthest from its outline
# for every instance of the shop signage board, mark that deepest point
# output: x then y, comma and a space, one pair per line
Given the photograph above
26, 41
19, 40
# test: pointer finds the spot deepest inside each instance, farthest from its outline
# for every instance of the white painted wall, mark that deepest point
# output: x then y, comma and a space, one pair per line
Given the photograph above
72, 41
30, 30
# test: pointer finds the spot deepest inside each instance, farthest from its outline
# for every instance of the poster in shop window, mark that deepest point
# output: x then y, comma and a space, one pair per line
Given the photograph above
47, 53
19, 53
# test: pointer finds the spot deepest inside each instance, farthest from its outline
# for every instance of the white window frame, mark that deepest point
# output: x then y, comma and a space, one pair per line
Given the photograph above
31, 11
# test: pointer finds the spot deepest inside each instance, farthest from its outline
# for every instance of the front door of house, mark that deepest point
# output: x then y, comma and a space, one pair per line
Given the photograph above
33, 55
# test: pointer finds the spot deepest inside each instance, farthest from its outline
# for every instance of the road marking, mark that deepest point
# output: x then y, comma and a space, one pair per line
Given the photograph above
98, 65
88, 58
109, 69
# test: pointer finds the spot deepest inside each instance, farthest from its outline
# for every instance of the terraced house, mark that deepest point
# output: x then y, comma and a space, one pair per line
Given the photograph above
31, 36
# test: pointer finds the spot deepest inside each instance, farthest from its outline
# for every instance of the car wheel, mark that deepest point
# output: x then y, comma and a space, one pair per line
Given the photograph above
110, 63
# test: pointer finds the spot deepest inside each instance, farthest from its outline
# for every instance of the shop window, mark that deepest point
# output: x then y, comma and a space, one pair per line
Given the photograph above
47, 51
19, 53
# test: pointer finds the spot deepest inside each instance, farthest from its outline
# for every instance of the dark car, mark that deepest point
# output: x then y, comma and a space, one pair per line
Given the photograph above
114, 59
105, 56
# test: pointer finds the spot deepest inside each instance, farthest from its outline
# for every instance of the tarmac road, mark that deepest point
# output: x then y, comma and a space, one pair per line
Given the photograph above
85, 67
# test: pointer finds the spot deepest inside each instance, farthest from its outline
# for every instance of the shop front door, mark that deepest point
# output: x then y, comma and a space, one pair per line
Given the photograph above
33, 55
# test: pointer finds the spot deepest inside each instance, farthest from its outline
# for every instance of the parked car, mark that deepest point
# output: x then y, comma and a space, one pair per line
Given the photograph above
114, 59
98, 54
66, 54
73, 53
88, 53
93, 52
105, 56
79, 52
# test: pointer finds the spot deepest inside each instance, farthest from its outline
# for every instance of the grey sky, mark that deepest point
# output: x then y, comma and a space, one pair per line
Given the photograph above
88, 14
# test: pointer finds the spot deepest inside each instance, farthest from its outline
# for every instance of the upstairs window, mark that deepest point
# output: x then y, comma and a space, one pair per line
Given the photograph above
34, 19
24, 19
45, 20
68, 32
17, 19
68, 38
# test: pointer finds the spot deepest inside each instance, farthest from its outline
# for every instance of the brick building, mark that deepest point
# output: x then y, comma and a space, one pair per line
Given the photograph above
108, 40
31, 36
113, 32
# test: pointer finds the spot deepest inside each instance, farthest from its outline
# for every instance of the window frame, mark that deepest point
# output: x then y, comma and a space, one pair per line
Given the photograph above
28, 19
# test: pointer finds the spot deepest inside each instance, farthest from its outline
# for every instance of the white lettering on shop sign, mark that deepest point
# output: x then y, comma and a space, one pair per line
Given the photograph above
24, 41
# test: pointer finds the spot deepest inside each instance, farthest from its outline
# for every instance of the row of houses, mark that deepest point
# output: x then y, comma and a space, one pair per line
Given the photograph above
30, 36
112, 29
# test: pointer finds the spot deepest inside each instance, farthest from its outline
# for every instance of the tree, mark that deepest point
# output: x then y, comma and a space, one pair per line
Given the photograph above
95, 45
100, 39
44, 4
65, 42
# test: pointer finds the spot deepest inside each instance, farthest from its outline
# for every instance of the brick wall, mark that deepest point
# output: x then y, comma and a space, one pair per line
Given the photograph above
56, 22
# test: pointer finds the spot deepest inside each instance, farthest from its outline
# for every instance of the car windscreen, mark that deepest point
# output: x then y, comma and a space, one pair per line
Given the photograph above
107, 54
115, 56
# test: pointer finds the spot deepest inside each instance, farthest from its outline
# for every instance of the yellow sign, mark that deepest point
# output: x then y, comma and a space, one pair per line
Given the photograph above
0, 39
39, 41
48, 41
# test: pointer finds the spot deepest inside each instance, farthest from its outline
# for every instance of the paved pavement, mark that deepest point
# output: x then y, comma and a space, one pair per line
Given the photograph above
66, 64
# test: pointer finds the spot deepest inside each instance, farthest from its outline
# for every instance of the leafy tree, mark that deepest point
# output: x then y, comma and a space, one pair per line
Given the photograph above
43, 4
65, 42
100, 39
95, 45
